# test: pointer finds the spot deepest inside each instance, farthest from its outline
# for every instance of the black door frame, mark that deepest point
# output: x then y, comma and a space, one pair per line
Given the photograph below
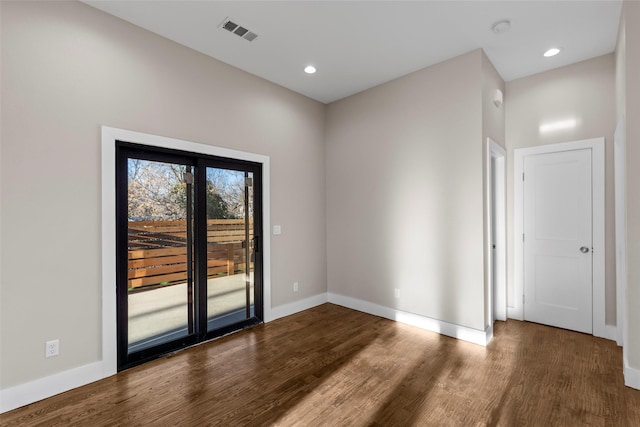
199, 162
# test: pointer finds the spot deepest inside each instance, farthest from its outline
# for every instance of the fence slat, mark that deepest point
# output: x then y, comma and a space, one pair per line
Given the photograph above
150, 253
157, 254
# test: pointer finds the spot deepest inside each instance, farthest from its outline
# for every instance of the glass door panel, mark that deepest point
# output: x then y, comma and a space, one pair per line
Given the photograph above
230, 247
160, 253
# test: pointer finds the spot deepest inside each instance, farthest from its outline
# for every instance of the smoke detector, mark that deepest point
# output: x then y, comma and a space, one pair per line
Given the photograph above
237, 29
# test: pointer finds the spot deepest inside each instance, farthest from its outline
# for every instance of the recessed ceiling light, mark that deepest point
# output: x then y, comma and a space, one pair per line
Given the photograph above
501, 26
309, 69
552, 52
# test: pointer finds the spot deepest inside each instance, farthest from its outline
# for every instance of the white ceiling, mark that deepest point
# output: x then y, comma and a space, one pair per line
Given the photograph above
356, 45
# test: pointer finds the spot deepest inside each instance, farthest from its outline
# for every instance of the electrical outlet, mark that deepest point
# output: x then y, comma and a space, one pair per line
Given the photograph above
295, 286
51, 348
396, 292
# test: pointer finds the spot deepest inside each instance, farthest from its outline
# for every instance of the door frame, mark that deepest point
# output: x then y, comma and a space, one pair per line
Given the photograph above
596, 145
108, 163
497, 279
196, 295
619, 167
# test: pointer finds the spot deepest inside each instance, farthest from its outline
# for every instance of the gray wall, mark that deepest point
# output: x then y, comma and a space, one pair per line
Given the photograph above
405, 193
585, 91
493, 125
493, 118
629, 106
67, 69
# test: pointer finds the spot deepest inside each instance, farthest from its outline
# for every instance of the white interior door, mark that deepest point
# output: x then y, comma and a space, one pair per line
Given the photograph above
558, 239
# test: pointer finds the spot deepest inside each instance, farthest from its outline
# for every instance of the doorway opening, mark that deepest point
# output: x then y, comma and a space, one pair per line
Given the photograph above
496, 232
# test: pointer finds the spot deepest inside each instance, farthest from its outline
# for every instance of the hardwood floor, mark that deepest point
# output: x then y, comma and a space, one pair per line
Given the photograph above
331, 366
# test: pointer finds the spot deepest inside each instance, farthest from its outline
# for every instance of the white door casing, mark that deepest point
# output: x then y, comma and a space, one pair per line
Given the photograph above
596, 145
557, 239
619, 152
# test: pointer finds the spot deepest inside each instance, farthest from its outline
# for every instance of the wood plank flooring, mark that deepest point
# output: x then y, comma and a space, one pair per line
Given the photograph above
331, 366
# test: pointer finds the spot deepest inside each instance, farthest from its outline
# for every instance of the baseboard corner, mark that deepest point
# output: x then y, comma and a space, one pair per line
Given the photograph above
434, 325
610, 332
488, 333
295, 307
631, 376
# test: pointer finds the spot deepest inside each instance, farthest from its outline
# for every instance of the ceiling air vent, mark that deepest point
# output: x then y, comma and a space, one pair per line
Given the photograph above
250, 36
238, 30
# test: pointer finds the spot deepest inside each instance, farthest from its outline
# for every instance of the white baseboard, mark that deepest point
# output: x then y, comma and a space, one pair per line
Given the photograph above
631, 376
445, 328
488, 335
514, 313
33, 391
24, 394
295, 307
610, 333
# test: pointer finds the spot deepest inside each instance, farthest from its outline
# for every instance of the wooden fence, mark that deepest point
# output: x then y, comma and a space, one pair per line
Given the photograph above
158, 251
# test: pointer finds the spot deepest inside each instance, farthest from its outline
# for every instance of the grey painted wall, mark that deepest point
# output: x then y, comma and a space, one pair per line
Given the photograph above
629, 106
405, 193
67, 69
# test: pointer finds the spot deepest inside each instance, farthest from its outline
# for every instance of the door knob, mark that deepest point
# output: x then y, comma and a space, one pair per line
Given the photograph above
584, 249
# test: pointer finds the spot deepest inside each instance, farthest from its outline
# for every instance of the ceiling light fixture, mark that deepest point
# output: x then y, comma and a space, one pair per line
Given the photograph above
501, 26
310, 69
552, 52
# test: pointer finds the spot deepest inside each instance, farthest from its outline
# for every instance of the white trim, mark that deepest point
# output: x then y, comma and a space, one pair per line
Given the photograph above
597, 148
619, 167
517, 310
109, 306
599, 306
488, 336
499, 285
631, 376
296, 307
610, 332
33, 391
439, 326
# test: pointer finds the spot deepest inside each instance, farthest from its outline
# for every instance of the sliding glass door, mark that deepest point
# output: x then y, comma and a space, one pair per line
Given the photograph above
159, 253
189, 266
231, 246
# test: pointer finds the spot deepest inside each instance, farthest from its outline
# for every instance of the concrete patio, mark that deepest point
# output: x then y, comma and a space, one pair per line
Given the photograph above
161, 314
